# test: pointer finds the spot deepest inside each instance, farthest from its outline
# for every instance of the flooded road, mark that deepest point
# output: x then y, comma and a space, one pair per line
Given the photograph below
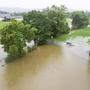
49, 67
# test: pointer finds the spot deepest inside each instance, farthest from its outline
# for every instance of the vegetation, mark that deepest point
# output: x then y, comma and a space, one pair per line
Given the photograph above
37, 25
37, 19
41, 26
50, 23
14, 37
79, 19
80, 32
89, 41
62, 38
58, 22
3, 24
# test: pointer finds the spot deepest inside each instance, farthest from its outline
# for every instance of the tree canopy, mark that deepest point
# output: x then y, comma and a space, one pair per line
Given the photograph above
50, 22
37, 25
79, 19
14, 37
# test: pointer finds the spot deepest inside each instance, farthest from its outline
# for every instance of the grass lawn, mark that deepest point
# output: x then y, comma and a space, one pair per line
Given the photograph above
3, 24
80, 32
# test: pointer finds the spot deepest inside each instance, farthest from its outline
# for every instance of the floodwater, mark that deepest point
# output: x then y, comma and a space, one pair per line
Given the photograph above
49, 67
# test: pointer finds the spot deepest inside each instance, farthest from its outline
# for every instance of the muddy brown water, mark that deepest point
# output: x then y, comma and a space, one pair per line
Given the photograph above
49, 67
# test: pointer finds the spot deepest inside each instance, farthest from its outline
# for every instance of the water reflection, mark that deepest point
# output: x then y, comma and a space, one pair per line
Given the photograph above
29, 66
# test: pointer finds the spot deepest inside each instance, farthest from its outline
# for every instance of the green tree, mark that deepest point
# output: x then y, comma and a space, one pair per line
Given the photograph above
50, 22
79, 19
57, 17
41, 22
14, 37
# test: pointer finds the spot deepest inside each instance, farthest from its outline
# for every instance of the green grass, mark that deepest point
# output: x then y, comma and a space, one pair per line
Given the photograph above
62, 38
81, 32
3, 24
76, 33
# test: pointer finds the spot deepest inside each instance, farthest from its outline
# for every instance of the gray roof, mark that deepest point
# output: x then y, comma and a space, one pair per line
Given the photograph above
11, 17
4, 15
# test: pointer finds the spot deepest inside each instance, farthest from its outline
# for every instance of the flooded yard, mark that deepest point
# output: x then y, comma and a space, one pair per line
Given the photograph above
49, 67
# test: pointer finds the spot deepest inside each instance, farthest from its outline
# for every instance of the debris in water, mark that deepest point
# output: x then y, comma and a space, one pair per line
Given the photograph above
3, 65
69, 43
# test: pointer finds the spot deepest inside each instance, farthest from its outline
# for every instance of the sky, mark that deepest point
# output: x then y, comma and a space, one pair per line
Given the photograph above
40, 4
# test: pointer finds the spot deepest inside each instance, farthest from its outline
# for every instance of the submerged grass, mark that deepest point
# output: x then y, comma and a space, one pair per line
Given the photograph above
76, 33
62, 38
81, 32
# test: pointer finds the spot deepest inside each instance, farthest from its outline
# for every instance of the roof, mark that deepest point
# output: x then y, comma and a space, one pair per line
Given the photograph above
10, 16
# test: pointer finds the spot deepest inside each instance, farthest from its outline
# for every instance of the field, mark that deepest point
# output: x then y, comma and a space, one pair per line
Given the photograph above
3, 24
76, 33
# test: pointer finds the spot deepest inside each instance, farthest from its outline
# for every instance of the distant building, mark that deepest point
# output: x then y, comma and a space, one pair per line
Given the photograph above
7, 17
2, 16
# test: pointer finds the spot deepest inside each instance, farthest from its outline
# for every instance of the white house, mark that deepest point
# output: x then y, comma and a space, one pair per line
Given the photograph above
9, 17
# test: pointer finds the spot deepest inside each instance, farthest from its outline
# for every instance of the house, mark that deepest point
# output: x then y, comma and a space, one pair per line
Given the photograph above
2, 16
7, 17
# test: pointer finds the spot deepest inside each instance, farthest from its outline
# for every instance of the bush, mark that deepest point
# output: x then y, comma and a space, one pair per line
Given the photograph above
50, 22
79, 19
14, 37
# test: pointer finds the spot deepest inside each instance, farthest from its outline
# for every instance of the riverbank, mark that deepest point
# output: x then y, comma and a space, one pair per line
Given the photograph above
76, 33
